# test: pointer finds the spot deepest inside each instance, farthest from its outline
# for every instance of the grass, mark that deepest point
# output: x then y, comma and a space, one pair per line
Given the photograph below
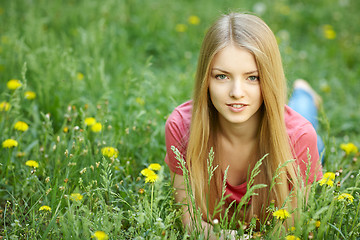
124, 63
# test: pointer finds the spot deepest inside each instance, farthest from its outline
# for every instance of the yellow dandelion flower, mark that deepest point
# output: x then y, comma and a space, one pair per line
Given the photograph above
281, 214
100, 235
90, 121
79, 76
30, 95
66, 129
76, 197
13, 84
96, 127
32, 163
346, 197
328, 179
45, 208
140, 101
4, 106
155, 166
329, 32
194, 20
9, 143
317, 224
147, 172
151, 178
349, 148
110, 152
21, 126
291, 237
180, 27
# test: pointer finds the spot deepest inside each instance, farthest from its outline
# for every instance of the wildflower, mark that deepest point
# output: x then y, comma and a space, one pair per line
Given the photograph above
151, 178
147, 172
281, 214
30, 95
349, 148
32, 163
100, 235
79, 76
140, 101
317, 224
20, 154
141, 191
66, 129
346, 197
180, 27
21, 126
90, 121
110, 152
9, 143
13, 84
4, 106
194, 20
328, 179
329, 31
291, 237
76, 197
96, 127
45, 208
155, 166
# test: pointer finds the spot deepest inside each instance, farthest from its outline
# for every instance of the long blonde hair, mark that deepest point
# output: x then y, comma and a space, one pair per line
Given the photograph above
248, 32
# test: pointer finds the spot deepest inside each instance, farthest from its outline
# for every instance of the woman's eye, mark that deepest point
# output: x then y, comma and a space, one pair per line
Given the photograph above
220, 76
253, 78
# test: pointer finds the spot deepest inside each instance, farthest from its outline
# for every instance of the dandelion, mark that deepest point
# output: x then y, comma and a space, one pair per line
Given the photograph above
180, 27
30, 95
45, 208
21, 126
317, 224
140, 101
9, 143
66, 129
141, 191
194, 20
281, 214
32, 163
346, 197
4, 106
151, 178
147, 172
76, 197
79, 76
349, 148
96, 127
90, 121
110, 152
100, 235
13, 84
328, 179
291, 237
328, 31
155, 166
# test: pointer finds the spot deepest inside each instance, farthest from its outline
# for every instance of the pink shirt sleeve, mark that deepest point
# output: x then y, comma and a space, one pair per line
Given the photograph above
303, 140
177, 134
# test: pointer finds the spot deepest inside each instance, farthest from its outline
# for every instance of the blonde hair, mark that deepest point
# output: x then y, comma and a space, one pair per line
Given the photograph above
251, 33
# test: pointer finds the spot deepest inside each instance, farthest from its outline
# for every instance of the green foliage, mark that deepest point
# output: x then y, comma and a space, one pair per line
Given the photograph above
127, 64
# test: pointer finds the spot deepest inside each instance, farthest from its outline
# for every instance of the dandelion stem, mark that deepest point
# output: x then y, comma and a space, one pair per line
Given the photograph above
152, 197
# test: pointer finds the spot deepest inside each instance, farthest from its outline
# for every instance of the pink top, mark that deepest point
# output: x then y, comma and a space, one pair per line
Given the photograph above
301, 133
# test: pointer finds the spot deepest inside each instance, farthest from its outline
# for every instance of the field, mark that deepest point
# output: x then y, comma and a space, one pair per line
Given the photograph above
96, 82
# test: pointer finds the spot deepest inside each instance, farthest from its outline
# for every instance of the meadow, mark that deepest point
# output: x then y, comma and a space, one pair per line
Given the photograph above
86, 88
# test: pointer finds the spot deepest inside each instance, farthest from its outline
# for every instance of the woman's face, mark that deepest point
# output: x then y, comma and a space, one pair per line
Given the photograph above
234, 85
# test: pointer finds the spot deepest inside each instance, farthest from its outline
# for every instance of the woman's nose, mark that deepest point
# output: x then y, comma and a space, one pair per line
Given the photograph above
237, 90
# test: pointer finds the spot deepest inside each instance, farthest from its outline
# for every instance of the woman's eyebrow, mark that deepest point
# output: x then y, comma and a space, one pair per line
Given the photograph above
251, 72
219, 69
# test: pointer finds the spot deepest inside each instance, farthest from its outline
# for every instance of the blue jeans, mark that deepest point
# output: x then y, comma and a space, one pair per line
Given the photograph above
303, 103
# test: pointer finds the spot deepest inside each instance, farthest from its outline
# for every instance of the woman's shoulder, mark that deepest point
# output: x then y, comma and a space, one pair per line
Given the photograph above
298, 127
181, 115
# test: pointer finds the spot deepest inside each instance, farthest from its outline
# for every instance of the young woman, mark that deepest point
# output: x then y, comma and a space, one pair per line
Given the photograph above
239, 110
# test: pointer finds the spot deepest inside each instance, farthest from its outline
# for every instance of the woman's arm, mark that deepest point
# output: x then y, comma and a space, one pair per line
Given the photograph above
180, 197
